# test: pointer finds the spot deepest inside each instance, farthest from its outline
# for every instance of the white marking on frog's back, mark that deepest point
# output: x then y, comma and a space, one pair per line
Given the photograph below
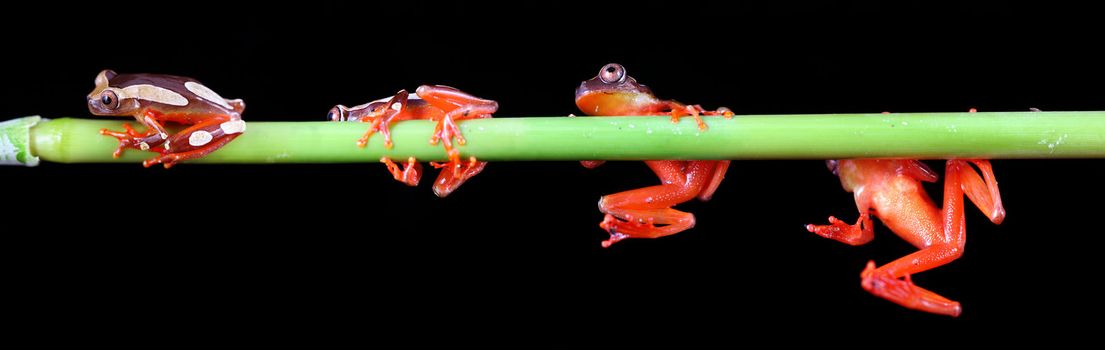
152, 93
207, 94
199, 138
233, 127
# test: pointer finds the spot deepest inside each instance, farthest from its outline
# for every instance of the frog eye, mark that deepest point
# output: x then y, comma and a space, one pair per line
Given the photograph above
612, 73
338, 114
109, 99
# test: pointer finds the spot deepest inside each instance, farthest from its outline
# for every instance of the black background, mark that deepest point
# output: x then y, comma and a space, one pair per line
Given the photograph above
230, 248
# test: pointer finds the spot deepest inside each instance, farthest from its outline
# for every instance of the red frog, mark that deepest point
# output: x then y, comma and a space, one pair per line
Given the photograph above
443, 104
635, 213
154, 99
890, 189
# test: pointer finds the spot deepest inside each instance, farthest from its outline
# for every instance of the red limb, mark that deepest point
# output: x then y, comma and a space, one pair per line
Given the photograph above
715, 180
455, 174
184, 146
411, 173
634, 213
154, 135
457, 106
382, 117
887, 281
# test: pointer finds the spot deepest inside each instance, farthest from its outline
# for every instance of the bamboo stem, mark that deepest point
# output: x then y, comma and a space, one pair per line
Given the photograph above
830, 136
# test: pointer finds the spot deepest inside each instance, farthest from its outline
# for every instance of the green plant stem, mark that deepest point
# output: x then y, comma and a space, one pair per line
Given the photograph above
831, 136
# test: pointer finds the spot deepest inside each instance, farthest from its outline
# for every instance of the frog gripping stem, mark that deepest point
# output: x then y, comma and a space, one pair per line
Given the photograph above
636, 213
153, 99
443, 106
894, 193
129, 138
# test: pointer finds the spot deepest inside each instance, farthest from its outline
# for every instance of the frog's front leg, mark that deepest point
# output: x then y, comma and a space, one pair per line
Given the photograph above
154, 135
382, 117
634, 213
457, 106
197, 140
859, 233
679, 110
892, 281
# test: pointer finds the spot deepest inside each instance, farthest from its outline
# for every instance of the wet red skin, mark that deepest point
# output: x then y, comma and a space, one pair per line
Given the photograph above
636, 213
199, 114
891, 190
442, 104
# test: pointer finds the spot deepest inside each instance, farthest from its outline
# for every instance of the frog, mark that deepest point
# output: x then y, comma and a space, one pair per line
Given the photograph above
647, 212
154, 99
443, 104
891, 190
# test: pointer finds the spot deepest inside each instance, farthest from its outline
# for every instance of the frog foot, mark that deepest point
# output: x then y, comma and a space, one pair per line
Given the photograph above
409, 175
642, 224
903, 292
167, 160
454, 174
693, 111
679, 110
859, 233
127, 139
372, 129
445, 132
613, 226
379, 124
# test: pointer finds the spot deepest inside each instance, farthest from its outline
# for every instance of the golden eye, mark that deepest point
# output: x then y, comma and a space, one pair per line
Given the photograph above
337, 114
109, 100
612, 73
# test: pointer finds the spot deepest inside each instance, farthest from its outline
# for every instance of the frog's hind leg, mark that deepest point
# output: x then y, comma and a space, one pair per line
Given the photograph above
197, 141
622, 223
455, 174
635, 213
458, 106
715, 180
892, 281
